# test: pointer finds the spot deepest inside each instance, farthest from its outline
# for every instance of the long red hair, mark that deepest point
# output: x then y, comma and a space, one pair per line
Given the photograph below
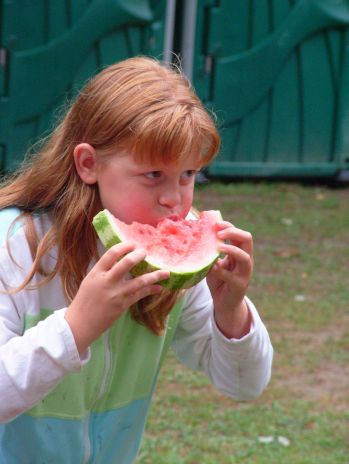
138, 104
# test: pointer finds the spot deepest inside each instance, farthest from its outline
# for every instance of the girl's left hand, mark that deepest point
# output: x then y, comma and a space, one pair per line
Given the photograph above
229, 278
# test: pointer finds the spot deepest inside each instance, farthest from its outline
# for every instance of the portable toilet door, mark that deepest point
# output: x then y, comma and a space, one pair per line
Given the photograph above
49, 49
276, 75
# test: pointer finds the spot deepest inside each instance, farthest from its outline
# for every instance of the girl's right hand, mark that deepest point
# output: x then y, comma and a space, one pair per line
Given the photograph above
107, 291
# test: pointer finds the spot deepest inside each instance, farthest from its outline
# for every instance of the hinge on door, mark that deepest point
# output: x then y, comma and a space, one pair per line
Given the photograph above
3, 57
208, 64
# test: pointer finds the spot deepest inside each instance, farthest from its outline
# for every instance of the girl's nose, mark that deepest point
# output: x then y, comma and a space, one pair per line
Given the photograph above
169, 198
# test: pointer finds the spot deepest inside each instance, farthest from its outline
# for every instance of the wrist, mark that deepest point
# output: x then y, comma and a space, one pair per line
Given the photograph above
81, 332
234, 322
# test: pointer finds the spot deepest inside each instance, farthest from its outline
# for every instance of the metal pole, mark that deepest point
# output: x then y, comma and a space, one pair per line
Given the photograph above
188, 37
169, 30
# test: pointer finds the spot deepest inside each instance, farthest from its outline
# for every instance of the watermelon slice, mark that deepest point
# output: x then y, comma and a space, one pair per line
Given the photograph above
185, 247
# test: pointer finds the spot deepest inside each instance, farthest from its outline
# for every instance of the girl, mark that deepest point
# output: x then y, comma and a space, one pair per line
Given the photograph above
81, 343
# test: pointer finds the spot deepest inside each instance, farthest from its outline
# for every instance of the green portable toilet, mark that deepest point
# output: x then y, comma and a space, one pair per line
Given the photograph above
276, 73
49, 49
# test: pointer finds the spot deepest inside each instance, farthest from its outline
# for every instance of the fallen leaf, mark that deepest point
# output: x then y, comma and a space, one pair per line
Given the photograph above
287, 221
266, 439
310, 425
283, 441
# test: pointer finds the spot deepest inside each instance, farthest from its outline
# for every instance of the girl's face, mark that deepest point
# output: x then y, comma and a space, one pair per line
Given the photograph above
146, 193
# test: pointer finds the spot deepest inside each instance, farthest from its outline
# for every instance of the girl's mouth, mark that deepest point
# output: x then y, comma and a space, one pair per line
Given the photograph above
173, 217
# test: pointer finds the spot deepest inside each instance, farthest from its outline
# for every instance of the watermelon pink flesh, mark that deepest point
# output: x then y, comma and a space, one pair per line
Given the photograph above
175, 243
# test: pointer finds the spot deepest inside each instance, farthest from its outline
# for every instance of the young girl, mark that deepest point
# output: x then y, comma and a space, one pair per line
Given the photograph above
81, 342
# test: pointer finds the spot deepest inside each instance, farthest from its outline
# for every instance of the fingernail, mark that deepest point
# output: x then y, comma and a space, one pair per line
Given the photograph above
157, 288
165, 276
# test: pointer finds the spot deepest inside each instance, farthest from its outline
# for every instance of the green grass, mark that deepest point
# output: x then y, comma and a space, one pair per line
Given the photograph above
300, 285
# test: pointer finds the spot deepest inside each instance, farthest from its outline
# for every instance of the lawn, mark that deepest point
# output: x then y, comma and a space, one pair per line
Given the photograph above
300, 285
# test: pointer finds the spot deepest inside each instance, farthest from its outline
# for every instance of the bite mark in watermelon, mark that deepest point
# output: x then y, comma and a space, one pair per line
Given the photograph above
187, 248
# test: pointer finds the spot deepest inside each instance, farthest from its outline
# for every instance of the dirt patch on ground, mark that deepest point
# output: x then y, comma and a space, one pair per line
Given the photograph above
328, 386
313, 373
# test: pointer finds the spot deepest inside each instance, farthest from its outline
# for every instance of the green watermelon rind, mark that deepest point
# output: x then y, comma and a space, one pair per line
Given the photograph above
177, 280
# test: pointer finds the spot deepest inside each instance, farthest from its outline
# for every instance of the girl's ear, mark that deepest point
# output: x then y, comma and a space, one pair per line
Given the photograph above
86, 163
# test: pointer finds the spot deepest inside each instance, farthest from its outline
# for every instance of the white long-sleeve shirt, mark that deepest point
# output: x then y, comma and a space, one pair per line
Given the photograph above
97, 398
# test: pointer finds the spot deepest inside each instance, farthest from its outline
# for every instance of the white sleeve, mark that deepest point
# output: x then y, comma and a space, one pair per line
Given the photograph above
33, 363
238, 368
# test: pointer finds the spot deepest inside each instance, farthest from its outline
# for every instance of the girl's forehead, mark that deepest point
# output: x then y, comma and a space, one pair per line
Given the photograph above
151, 158
191, 162
145, 161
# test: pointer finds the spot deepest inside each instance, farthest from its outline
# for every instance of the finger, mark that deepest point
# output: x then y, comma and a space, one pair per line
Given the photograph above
126, 263
143, 292
145, 285
224, 224
239, 259
227, 230
238, 237
220, 276
147, 280
227, 262
113, 255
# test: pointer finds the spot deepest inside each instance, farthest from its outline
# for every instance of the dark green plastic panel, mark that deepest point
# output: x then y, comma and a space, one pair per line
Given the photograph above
276, 73
49, 48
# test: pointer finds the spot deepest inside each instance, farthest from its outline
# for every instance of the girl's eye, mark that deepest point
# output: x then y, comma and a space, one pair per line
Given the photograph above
187, 175
153, 175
